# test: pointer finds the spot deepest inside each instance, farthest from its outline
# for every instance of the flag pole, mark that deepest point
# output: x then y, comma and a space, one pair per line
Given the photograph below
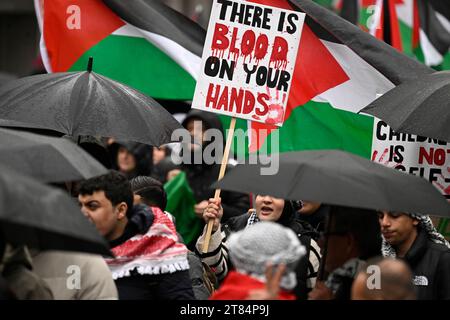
223, 166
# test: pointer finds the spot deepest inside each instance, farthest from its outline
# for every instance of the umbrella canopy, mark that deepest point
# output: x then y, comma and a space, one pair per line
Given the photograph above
45, 158
85, 103
44, 218
420, 107
339, 178
5, 78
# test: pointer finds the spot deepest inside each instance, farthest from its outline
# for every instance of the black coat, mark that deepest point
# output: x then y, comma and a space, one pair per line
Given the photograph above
430, 264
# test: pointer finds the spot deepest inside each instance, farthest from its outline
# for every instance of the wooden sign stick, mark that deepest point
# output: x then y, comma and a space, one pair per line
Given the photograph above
223, 166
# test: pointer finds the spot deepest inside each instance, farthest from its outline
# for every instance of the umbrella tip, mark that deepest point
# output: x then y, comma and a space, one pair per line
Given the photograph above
90, 62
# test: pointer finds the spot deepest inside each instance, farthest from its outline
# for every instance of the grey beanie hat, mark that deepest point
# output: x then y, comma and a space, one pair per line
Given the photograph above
266, 242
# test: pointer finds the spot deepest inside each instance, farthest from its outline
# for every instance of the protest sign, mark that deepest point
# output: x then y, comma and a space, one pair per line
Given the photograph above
421, 156
248, 61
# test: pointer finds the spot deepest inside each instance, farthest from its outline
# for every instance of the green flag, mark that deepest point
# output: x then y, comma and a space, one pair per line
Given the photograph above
180, 203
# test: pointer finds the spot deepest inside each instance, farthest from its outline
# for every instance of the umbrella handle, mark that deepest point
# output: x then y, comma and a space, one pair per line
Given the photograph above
223, 166
321, 273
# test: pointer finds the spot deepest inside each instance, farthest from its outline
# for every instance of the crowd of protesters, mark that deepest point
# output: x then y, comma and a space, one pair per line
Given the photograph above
261, 247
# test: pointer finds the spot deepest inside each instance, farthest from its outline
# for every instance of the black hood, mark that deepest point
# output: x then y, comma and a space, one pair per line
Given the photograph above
142, 153
209, 119
288, 214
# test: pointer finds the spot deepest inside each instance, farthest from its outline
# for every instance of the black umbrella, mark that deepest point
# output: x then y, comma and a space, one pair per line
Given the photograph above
5, 78
43, 217
339, 178
85, 103
420, 107
45, 158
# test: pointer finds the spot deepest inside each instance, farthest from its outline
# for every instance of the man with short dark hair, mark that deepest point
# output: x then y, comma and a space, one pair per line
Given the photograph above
136, 235
150, 191
414, 239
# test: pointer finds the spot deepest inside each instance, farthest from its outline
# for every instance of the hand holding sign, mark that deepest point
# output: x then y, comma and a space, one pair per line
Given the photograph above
247, 65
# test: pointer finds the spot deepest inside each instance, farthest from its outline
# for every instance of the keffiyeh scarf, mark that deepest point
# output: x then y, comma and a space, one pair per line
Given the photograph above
155, 252
427, 225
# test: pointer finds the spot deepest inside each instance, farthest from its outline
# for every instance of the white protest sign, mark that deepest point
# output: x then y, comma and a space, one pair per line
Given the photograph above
421, 156
248, 61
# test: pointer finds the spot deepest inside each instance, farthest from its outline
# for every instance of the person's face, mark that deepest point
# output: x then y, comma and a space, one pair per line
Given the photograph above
268, 208
396, 227
158, 154
309, 207
100, 211
196, 129
125, 160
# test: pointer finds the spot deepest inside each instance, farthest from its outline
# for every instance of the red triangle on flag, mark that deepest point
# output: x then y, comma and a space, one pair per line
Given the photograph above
316, 71
71, 27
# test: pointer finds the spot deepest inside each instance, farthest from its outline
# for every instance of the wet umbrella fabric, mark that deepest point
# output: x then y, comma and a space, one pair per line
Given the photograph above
420, 107
339, 178
85, 103
46, 159
44, 217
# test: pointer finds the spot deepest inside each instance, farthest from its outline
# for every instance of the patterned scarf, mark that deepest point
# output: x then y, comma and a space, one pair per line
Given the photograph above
155, 252
253, 218
427, 225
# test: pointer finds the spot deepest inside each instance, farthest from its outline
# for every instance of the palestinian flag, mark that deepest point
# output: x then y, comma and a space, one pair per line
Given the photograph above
143, 44
340, 69
433, 17
419, 28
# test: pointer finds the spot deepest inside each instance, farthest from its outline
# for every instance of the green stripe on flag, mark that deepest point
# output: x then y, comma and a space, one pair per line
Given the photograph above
180, 203
144, 67
317, 126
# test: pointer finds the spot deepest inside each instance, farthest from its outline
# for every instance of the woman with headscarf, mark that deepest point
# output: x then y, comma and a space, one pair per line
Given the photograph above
267, 208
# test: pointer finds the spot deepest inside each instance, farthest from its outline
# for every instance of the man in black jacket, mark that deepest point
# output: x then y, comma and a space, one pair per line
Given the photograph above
137, 235
413, 238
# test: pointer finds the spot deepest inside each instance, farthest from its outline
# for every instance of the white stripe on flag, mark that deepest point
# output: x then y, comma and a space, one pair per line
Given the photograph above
365, 85
186, 59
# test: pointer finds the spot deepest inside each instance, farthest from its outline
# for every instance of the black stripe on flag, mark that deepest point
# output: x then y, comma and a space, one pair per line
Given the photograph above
155, 17
350, 11
393, 64
433, 28
441, 6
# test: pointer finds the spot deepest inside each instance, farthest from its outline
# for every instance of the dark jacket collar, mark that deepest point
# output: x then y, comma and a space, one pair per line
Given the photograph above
418, 248
140, 220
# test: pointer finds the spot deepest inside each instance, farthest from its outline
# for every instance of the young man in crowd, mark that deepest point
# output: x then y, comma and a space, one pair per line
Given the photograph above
137, 235
414, 239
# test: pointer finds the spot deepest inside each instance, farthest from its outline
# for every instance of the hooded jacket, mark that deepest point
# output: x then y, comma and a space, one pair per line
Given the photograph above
201, 176
143, 155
